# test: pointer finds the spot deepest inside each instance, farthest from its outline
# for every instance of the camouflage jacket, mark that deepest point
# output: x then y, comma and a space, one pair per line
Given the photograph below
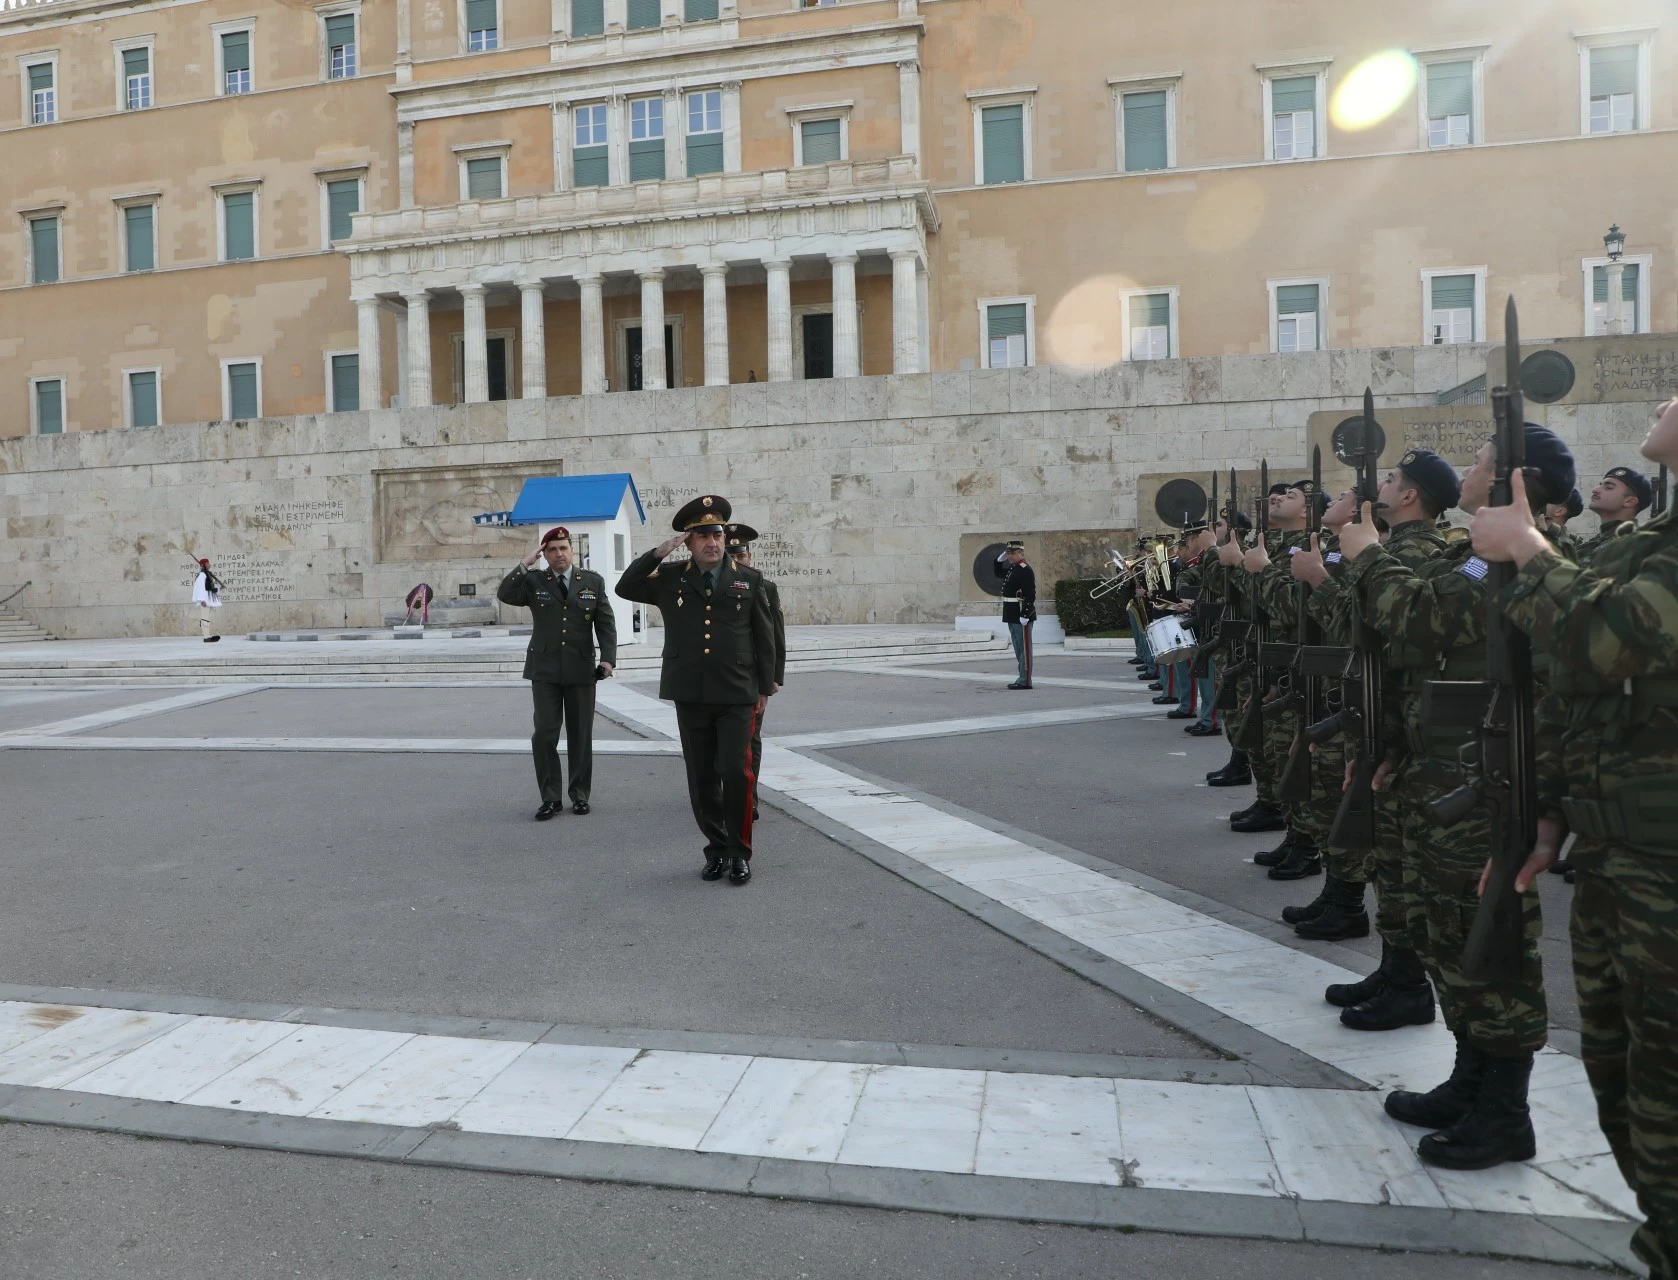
1585, 549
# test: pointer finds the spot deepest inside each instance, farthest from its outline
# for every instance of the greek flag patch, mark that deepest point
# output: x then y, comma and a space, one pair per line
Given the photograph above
1333, 557
1474, 567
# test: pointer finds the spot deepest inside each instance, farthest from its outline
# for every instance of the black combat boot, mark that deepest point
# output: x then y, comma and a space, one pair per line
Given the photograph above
1303, 861
1311, 910
1261, 817
1346, 994
1498, 1129
1237, 773
1278, 855
1443, 1105
1404, 1000
1344, 917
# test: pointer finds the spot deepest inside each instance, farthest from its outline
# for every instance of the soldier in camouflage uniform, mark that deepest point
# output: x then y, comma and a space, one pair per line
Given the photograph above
1435, 618
1218, 581
1612, 632
1621, 497
1558, 514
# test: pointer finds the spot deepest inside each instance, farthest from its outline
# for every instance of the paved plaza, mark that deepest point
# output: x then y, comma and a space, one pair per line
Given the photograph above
1005, 996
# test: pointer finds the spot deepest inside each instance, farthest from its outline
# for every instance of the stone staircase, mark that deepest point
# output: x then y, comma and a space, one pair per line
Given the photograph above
16, 630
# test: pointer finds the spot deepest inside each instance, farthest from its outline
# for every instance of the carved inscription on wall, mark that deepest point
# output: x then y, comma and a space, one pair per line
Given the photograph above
776, 557
286, 517
1455, 432
424, 514
1648, 374
255, 576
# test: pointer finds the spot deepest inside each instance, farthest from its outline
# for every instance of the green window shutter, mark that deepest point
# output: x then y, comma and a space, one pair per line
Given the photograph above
589, 167
1003, 129
1144, 131
1450, 89
1006, 320
821, 141
1453, 293
1299, 93
588, 17
1149, 310
700, 10
241, 392
646, 160
142, 398
139, 231
136, 62
1628, 283
704, 154
480, 15
483, 179
340, 30
236, 51
43, 243
1296, 300
49, 407
642, 14
1614, 70
342, 199
239, 211
346, 383
40, 76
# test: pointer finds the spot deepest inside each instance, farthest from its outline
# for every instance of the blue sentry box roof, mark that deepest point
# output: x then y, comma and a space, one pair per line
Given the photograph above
556, 499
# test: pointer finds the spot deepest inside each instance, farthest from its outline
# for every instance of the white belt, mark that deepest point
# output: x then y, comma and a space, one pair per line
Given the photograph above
1013, 599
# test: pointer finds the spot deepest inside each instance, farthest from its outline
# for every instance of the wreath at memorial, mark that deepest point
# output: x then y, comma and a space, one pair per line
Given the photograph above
420, 598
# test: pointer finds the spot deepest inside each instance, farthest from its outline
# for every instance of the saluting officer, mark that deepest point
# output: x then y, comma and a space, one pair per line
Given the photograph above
719, 667
740, 539
1019, 606
569, 608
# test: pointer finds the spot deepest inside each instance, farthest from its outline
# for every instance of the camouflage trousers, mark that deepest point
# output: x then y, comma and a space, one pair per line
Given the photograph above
1279, 732
1259, 761
1625, 964
1441, 880
1384, 867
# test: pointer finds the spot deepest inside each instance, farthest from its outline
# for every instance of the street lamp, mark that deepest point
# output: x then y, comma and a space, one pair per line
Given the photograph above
1615, 243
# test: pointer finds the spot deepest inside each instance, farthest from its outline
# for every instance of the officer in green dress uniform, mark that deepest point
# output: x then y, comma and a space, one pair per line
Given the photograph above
719, 668
569, 608
740, 539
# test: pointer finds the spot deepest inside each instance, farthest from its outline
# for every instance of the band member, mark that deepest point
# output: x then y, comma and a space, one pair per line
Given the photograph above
206, 594
569, 609
719, 668
1019, 606
740, 539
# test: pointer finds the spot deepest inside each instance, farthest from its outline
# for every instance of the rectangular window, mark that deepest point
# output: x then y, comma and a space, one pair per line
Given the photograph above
238, 212
704, 140
483, 28
346, 383
1150, 326
340, 46
342, 199
43, 249
589, 164
1451, 310
1005, 336
43, 93
136, 78
1630, 281
1614, 89
1003, 130
700, 10
243, 399
483, 178
588, 17
236, 62
1298, 317
1293, 117
139, 235
142, 398
641, 14
1144, 131
822, 141
49, 406
646, 140
1450, 104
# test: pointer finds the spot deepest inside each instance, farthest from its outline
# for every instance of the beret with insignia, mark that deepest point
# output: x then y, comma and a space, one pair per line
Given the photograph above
1635, 481
1433, 476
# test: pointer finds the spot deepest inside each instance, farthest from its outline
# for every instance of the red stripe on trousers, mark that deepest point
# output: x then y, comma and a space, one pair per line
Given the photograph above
751, 779
1025, 631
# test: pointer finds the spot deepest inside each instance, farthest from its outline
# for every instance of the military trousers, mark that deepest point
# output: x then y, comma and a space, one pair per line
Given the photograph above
1625, 965
1443, 867
1384, 868
1020, 634
571, 707
1259, 761
722, 774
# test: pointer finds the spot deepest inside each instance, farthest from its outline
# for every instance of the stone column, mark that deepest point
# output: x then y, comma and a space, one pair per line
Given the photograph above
405, 162
731, 129
847, 357
401, 396
909, 108
905, 312
593, 334
404, 43
475, 345
675, 133
923, 330
617, 16
1616, 284
563, 137
652, 329
419, 349
780, 320
716, 323
534, 339
368, 353
617, 140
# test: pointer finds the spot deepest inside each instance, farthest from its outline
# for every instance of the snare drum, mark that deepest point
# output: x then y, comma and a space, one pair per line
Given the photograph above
1169, 640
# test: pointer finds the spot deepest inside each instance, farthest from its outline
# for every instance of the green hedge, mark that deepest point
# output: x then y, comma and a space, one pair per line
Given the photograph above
1079, 615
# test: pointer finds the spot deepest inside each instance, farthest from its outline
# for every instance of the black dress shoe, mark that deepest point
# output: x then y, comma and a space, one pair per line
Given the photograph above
713, 869
755, 814
548, 810
1179, 714
580, 806
1227, 777
1201, 730
1164, 698
1135, 662
1261, 817
1158, 686
739, 871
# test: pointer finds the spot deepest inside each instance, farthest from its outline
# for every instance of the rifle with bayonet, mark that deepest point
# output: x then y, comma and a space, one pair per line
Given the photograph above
1303, 692
1208, 612
1499, 767
1662, 484
1249, 734
1233, 632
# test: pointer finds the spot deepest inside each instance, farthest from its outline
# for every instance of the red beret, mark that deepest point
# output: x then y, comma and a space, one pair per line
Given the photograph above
555, 534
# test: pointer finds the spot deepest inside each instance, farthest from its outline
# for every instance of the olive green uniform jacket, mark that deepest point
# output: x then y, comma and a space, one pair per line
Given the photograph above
565, 624
718, 647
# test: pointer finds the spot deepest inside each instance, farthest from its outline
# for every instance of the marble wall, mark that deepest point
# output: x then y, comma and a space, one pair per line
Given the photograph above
863, 487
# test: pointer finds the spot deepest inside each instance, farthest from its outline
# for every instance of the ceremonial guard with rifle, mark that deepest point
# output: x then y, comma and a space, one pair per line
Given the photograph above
206, 594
